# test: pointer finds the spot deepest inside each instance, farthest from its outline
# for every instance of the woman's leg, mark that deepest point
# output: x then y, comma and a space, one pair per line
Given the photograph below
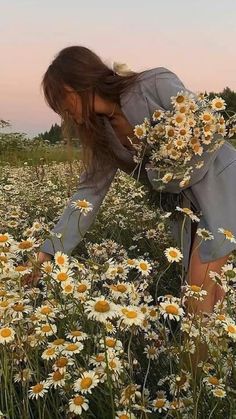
198, 274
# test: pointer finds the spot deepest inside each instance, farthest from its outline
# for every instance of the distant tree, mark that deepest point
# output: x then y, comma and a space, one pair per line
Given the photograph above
54, 135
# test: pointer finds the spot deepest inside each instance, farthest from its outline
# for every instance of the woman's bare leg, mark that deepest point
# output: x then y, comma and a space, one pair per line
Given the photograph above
198, 274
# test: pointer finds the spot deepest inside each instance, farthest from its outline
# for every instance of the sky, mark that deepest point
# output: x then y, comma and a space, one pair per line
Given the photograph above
195, 39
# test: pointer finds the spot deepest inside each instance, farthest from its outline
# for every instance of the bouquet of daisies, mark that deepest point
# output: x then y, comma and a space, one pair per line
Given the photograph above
175, 140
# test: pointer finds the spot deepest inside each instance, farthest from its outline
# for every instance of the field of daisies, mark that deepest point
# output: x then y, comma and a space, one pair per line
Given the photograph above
105, 334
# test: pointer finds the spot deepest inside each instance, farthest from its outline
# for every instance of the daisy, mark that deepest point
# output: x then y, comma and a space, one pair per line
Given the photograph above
82, 287
63, 275
131, 315
5, 239
45, 312
61, 259
120, 289
213, 381
67, 288
26, 245
188, 212
46, 329
88, 380
195, 291
151, 352
204, 234
47, 267
140, 131
157, 115
62, 363
56, 379
171, 310
58, 343
49, 353
228, 234
218, 103
160, 403
218, 392
73, 348
229, 271
7, 335
179, 119
83, 205
231, 330
77, 335
78, 404
143, 266
173, 254
38, 390
100, 309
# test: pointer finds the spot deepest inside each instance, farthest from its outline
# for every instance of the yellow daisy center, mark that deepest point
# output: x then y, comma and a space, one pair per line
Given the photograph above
82, 288
62, 276
3, 238
159, 403
171, 309
5, 333
37, 388
102, 306
195, 288
86, 382
78, 400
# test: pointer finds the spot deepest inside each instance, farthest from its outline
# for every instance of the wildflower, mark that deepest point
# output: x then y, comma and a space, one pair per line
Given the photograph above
86, 382
228, 234
49, 353
83, 205
204, 234
100, 309
231, 329
151, 352
173, 254
62, 363
61, 259
78, 404
46, 329
143, 266
219, 392
56, 379
38, 390
5, 239
140, 131
131, 315
63, 275
7, 335
47, 267
26, 245
188, 212
218, 103
160, 403
73, 348
77, 335
195, 291
171, 310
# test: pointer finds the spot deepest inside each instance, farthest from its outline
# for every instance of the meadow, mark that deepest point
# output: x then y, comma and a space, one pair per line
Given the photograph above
106, 334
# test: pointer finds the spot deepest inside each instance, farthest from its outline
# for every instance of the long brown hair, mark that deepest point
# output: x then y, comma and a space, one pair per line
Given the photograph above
82, 70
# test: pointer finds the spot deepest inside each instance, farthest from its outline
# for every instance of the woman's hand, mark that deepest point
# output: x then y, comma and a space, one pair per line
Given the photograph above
33, 278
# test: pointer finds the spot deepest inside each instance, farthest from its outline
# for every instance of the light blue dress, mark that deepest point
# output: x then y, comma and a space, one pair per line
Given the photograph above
212, 188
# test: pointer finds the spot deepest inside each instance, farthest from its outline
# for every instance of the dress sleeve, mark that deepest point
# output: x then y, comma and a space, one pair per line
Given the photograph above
73, 224
168, 84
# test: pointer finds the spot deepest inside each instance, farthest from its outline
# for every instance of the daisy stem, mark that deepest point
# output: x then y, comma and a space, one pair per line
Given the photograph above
145, 378
158, 280
108, 374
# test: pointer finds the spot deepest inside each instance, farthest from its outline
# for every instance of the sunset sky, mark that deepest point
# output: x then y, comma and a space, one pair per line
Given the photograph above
195, 39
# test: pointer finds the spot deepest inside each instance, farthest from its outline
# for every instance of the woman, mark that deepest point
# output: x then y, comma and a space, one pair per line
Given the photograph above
105, 106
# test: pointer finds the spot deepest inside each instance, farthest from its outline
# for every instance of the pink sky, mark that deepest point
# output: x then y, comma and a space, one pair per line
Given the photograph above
194, 39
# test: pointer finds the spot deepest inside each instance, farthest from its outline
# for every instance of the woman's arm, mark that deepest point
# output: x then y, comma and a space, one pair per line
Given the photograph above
93, 191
